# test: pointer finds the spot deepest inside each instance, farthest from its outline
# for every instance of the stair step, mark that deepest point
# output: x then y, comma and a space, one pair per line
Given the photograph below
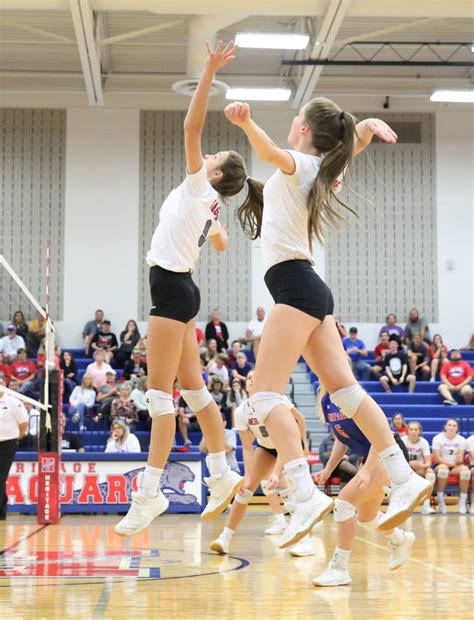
304, 388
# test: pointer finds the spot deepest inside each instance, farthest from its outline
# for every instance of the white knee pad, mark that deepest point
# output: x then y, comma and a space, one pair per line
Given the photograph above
348, 399
443, 473
159, 403
343, 511
197, 400
430, 476
244, 498
465, 475
263, 403
265, 489
373, 523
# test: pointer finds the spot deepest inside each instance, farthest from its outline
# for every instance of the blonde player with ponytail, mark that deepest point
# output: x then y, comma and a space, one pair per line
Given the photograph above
300, 203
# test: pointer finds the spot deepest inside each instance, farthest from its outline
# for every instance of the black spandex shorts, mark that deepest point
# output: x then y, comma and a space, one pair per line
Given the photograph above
295, 283
173, 295
272, 451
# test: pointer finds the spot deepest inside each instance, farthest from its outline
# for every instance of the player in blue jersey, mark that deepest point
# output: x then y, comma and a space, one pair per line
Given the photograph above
359, 501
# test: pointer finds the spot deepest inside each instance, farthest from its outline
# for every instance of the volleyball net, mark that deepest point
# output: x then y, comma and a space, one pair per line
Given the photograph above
26, 323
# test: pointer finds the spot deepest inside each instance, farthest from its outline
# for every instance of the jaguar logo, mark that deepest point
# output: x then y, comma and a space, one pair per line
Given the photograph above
173, 480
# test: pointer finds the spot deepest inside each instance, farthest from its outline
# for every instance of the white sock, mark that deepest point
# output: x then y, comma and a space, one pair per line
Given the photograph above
396, 465
341, 558
440, 496
150, 483
216, 463
396, 537
427, 503
463, 498
297, 472
280, 518
227, 533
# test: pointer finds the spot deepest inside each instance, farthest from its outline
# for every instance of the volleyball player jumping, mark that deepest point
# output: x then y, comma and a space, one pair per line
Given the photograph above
359, 501
297, 208
188, 217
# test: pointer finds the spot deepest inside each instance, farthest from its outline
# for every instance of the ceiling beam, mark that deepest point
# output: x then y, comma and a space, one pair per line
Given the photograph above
375, 33
327, 35
139, 33
104, 50
44, 33
83, 22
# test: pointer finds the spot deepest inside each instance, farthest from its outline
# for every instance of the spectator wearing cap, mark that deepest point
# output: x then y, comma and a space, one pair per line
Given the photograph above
254, 330
91, 328
456, 378
217, 329
98, 369
417, 324
230, 447
392, 328
135, 367
10, 344
355, 349
106, 340
107, 392
24, 370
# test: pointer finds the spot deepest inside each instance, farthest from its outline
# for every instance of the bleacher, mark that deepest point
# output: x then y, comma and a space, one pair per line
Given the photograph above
425, 405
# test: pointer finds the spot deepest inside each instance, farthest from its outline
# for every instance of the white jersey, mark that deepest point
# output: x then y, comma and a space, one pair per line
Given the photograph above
470, 447
12, 414
187, 217
245, 421
417, 451
285, 214
448, 448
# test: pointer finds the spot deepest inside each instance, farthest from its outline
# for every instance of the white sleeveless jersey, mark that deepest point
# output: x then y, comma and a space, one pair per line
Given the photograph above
417, 451
188, 216
246, 421
448, 448
285, 214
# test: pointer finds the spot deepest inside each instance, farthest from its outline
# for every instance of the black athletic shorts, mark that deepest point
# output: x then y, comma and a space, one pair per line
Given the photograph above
272, 451
295, 283
173, 295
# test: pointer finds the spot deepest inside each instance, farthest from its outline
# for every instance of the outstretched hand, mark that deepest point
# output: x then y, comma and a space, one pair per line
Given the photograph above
380, 129
219, 57
237, 113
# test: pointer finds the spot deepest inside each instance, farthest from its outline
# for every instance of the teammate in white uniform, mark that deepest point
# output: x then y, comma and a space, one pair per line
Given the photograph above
419, 454
297, 207
448, 456
262, 466
470, 451
188, 216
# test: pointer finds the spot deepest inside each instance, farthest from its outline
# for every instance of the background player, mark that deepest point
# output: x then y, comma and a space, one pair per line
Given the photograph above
262, 466
359, 501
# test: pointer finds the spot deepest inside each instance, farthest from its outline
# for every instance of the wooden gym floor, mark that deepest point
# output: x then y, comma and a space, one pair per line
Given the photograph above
80, 569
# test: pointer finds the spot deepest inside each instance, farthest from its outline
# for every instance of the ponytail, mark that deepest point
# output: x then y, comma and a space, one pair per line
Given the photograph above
250, 212
334, 135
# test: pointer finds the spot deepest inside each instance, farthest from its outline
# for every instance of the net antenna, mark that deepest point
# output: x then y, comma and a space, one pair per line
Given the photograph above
50, 332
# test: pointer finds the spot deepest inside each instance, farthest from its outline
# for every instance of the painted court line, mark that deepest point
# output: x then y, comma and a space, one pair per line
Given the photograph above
426, 564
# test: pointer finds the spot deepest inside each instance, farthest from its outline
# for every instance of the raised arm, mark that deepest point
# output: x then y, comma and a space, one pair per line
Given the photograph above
367, 129
239, 114
196, 116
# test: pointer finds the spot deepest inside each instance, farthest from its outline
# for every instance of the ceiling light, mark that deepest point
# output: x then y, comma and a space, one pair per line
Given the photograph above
258, 94
453, 96
272, 41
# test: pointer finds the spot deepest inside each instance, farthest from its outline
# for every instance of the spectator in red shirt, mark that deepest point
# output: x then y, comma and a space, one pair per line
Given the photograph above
218, 330
199, 337
399, 425
438, 354
5, 370
24, 370
456, 377
381, 351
